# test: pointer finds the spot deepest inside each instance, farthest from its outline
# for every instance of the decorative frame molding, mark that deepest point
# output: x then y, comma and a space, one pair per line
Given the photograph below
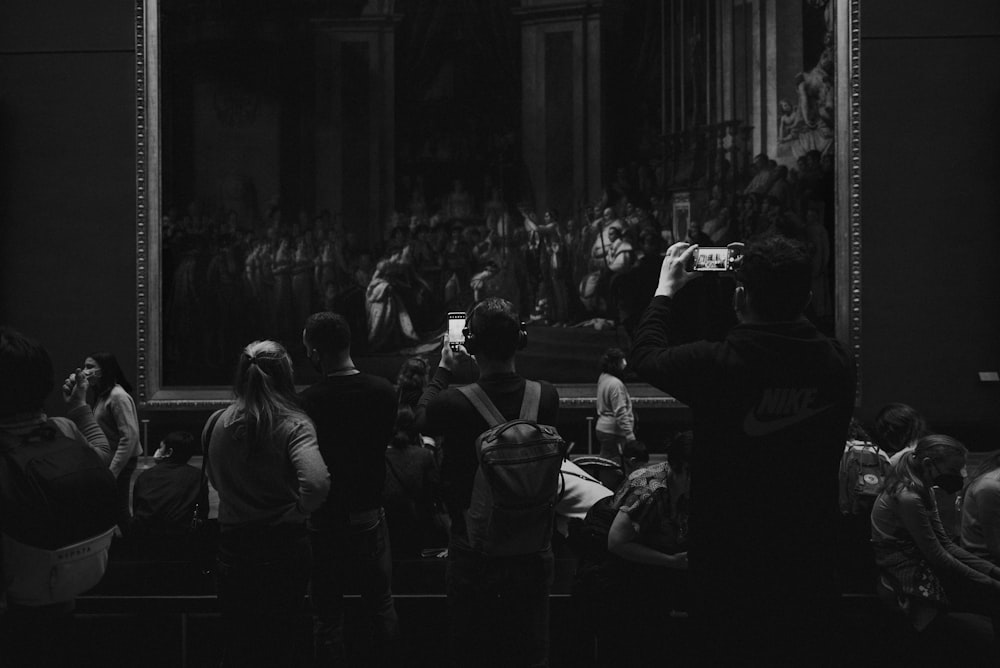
153, 395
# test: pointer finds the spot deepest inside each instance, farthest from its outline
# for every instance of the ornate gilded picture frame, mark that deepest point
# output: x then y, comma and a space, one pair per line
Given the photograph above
371, 111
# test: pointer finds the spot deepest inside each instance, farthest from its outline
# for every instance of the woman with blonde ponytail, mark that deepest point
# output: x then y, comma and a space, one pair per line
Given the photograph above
921, 569
263, 458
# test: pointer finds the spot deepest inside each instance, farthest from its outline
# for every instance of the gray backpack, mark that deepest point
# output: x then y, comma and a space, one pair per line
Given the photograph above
516, 486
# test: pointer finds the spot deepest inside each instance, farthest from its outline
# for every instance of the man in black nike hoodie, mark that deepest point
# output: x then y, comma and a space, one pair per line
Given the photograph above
771, 403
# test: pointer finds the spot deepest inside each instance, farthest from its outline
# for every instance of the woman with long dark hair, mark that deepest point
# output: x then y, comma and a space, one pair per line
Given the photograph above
411, 381
264, 460
114, 410
920, 567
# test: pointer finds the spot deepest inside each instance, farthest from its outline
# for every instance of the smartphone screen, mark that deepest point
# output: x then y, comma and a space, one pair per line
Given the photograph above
712, 259
456, 323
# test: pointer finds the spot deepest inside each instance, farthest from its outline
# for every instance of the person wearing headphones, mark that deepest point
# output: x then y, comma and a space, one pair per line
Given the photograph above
492, 601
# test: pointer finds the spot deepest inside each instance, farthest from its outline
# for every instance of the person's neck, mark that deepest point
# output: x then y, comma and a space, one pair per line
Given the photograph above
489, 367
751, 317
340, 365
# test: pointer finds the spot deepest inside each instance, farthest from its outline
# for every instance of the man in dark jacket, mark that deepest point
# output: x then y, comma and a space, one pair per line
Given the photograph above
771, 403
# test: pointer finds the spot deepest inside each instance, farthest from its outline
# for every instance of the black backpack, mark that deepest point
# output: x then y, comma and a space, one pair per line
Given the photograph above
54, 490
516, 487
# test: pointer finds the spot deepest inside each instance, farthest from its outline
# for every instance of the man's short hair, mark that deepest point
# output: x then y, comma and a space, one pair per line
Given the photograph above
328, 332
777, 275
496, 327
28, 373
182, 446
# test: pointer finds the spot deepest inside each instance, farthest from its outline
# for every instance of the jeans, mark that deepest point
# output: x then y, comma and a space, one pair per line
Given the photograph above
356, 552
498, 609
261, 578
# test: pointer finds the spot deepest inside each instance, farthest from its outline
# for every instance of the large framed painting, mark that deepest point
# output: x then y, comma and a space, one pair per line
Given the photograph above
397, 161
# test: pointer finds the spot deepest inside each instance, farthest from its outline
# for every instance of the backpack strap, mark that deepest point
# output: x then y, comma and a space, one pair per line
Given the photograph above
532, 400
478, 398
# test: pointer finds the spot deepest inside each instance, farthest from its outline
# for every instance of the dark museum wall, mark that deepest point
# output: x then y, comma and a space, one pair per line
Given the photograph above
930, 164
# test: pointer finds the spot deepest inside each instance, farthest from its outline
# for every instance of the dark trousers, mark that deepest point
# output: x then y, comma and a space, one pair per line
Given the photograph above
261, 578
498, 609
360, 554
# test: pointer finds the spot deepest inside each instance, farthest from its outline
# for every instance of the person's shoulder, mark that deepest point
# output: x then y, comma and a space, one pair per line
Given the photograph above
298, 424
610, 380
988, 484
548, 389
312, 392
909, 500
118, 395
376, 383
65, 426
450, 394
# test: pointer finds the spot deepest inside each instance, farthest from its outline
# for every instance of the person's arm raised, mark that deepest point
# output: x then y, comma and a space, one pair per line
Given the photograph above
74, 391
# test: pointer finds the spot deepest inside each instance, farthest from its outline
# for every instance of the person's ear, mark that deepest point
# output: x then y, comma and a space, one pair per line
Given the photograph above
925, 465
740, 299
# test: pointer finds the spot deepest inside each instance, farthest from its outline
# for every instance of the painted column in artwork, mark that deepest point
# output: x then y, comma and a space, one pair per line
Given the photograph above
355, 120
566, 49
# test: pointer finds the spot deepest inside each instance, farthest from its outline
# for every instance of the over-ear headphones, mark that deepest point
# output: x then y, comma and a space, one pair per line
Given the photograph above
472, 339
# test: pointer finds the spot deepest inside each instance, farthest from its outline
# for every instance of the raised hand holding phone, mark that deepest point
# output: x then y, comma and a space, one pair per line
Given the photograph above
674, 272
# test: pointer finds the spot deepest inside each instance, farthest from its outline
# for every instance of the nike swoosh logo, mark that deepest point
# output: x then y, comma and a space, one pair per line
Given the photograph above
755, 427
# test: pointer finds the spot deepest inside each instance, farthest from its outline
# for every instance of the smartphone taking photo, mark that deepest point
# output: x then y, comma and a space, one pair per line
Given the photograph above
456, 325
717, 258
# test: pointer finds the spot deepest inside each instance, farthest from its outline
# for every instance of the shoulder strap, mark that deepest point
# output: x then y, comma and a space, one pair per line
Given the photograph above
532, 400
581, 477
478, 398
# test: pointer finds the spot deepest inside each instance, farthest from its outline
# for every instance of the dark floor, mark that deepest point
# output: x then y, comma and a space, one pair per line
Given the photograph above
868, 638
162, 614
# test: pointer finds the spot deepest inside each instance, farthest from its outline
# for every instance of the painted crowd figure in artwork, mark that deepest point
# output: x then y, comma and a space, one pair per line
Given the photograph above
459, 209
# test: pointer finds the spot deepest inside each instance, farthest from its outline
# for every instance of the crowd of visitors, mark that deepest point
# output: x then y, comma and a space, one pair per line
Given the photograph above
329, 485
